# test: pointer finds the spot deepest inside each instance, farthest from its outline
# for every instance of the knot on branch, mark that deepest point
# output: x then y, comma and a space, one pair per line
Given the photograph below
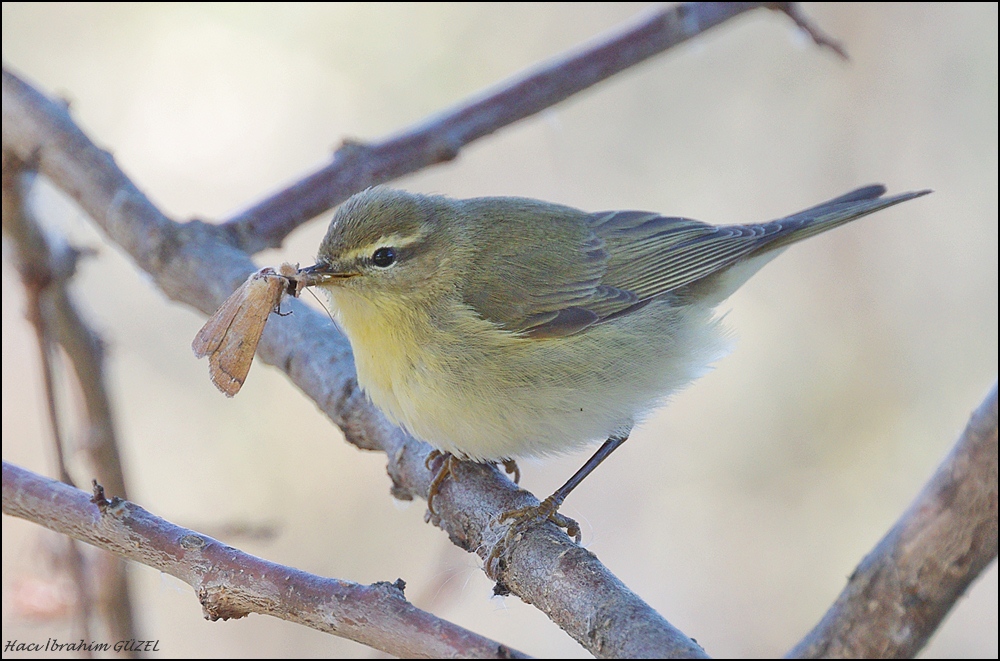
396, 589
219, 603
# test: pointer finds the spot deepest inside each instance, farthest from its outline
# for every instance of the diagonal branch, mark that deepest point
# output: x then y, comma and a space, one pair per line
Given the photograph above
356, 166
904, 588
233, 584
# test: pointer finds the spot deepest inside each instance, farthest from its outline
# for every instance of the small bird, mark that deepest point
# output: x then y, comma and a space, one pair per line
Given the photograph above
501, 327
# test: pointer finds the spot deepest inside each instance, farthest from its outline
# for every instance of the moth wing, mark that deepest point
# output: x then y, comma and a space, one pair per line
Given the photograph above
214, 331
229, 338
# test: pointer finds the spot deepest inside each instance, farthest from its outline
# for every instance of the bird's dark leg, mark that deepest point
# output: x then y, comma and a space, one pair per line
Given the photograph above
555, 500
548, 509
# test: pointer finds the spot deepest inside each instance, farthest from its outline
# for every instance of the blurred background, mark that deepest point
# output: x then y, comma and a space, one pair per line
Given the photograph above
738, 510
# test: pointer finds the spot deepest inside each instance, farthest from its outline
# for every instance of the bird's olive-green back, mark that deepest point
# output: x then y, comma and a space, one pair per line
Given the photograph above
548, 270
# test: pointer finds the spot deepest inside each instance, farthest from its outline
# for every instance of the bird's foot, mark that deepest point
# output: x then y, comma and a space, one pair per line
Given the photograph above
547, 510
446, 469
510, 467
522, 518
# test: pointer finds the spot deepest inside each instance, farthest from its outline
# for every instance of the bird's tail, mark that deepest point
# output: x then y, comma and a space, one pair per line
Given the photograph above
832, 213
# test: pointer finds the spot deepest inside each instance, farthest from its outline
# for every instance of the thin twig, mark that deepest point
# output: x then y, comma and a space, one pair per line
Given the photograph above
73, 556
45, 273
794, 12
904, 588
34, 264
357, 166
233, 584
33, 259
85, 351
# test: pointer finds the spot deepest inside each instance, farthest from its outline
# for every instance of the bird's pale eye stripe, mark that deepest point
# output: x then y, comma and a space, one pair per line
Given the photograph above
399, 242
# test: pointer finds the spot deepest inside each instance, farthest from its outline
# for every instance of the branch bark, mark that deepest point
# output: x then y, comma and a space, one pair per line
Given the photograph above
233, 584
899, 594
46, 272
356, 166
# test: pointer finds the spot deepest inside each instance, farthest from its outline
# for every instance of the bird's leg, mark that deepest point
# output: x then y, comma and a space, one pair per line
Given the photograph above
446, 469
548, 509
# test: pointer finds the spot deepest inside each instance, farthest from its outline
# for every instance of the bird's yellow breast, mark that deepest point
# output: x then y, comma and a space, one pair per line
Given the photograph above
441, 372
461, 384
386, 339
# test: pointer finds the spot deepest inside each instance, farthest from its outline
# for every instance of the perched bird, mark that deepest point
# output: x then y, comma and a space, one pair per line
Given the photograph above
499, 327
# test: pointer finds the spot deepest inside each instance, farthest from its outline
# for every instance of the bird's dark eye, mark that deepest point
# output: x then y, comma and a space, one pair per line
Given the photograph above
384, 257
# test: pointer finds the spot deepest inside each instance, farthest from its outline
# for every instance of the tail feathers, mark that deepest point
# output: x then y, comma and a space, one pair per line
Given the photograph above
830, 214
769, 239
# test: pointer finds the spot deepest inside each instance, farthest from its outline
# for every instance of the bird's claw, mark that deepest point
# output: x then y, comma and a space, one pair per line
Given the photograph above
510, 467
521, 518
447, 469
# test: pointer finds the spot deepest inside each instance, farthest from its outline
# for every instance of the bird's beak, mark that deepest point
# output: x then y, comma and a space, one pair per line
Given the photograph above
323, 272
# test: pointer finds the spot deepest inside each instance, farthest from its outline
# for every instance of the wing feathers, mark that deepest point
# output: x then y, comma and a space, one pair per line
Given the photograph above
618, 261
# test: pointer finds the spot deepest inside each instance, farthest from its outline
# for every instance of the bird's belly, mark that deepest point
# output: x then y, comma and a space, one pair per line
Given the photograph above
489, 421
528, 397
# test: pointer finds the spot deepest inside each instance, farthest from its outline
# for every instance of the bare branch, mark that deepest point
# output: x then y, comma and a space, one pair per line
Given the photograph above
904, 588
438, 139
45, 272
233, 584
794, 12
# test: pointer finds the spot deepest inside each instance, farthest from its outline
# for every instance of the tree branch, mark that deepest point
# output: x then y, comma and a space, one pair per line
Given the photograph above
438, 139
233, 584
904, 588
45, 273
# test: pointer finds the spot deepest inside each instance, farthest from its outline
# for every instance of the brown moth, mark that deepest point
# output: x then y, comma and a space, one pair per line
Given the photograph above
229, 338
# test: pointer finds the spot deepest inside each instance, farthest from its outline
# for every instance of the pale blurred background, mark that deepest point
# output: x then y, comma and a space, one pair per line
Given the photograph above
739, 510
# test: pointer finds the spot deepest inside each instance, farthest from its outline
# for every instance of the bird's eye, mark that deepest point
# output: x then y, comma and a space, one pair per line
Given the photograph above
384, 257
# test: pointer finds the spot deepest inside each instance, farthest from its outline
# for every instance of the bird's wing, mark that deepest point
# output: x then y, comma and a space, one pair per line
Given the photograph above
586, 268
651, 254
539, 270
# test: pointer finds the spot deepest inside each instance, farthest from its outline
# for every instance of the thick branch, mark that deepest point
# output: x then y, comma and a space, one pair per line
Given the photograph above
438, 139
904, 588
233, 584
